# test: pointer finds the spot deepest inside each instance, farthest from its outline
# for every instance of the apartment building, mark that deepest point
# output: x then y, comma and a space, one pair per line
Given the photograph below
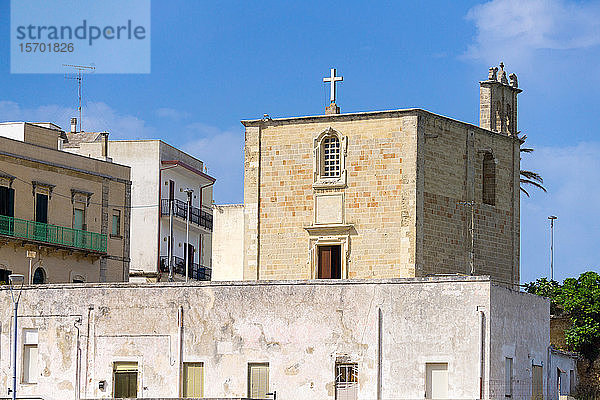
63, 217
162, 176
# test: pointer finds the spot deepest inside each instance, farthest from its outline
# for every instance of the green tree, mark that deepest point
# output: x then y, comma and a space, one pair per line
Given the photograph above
529, 177
579, 299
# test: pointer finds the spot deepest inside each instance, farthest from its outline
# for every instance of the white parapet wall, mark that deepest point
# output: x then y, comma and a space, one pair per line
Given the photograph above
394, 332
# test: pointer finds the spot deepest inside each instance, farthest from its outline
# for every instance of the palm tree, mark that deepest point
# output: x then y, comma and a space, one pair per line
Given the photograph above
529, 177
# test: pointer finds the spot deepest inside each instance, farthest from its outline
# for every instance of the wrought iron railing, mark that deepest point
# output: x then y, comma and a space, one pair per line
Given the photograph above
197, 216
196, 272
52, 234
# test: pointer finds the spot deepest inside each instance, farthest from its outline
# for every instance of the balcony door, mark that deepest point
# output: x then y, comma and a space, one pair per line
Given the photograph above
41, 216
189, 255
41, 208
7, 209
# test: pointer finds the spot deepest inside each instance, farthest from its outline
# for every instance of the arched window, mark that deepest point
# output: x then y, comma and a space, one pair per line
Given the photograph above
489, 179
331, 157
39, 276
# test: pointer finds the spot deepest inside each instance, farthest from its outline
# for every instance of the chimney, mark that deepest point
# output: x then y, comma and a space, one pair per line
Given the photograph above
105, 144
73, 125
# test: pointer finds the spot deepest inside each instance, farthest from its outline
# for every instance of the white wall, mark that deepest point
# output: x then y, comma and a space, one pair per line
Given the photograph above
228, 242
299, 327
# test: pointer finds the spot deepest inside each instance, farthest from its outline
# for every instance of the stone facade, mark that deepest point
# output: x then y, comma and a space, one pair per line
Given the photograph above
391, 329
405, 174
32, 163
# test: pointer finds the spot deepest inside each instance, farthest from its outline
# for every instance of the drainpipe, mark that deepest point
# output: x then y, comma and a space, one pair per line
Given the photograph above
379, 351
180, 340
77, 361
481, 351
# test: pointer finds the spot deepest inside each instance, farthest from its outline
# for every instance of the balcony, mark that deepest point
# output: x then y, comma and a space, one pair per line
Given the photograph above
197, 272
76, 239
198, 217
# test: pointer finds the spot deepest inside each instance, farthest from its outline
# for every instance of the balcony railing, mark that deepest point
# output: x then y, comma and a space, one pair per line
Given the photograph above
197, 216
52, 234
197, 272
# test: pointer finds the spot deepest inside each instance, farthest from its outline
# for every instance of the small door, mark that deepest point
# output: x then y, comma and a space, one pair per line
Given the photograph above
436, 381
193, 380
330, 262
258, 381
78, 218
537, 384
125, 380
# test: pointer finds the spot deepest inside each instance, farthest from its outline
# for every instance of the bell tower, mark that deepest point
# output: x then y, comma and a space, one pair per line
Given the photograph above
498, 101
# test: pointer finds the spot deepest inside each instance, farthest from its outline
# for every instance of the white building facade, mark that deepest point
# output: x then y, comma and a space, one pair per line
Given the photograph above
412, 338
160, 176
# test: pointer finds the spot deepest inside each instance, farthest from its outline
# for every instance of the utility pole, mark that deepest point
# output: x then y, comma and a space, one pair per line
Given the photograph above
187, 233
552, 218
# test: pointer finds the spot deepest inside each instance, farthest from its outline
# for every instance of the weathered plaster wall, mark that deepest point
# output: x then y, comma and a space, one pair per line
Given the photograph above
299, 328
228, 242
519, 328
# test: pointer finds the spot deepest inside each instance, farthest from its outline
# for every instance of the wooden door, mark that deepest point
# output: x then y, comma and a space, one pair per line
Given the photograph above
329, 262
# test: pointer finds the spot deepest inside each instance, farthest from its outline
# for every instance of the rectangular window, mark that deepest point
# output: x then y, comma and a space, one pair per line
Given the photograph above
125, 380
30, 355
193, 380
258, 380
116, 223
436, 381
7, 201
346, 381
508, 377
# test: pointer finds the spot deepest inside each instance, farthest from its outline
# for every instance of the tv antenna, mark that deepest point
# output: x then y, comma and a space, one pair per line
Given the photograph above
78, 76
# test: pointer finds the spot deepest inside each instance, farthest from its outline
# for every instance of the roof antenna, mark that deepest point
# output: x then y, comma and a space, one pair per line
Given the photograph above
78, 76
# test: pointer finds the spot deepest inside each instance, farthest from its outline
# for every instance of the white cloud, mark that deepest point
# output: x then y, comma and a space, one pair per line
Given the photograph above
513, 29
97, 116
572, 177
172, 113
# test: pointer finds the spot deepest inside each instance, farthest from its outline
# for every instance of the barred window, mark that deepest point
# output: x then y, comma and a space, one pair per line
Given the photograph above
331, 157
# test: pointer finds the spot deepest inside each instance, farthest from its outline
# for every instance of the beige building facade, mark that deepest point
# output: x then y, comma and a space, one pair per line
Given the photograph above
68, 213
160, 176
401, 193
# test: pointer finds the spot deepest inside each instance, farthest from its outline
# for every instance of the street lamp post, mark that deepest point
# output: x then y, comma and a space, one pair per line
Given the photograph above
187, 233
15, 281
552, 218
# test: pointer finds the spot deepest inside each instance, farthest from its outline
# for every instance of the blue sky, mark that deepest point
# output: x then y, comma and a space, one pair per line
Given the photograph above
215, 63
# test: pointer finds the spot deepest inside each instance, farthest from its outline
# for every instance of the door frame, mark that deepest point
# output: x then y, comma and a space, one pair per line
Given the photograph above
339, 240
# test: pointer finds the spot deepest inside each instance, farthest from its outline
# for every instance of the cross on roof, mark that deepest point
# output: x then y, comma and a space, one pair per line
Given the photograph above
333, 79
